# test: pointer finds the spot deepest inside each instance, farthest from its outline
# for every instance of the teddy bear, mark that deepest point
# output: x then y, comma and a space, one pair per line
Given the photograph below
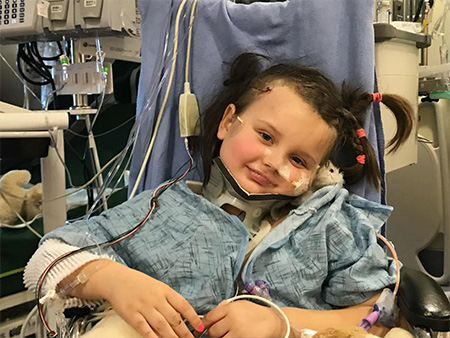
16, 200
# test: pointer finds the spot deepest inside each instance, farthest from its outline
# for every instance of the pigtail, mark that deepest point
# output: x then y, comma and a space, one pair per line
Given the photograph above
244, 69
355, 103
403, 113
364, 163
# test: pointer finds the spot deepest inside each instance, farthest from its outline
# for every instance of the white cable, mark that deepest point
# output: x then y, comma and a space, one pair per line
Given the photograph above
50, 132
27, 320
19, 226
104, 133
271, 304
99, 55
188, 51
163, 105
47, 99
25, 223
87, 183
94, 153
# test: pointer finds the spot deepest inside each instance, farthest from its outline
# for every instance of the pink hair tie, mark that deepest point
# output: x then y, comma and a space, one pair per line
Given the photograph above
377, 97
360, 133
361, 159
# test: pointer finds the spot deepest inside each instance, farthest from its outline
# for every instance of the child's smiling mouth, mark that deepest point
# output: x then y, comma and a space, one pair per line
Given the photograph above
259, 178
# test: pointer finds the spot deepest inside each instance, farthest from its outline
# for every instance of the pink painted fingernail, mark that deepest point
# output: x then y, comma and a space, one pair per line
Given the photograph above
201, 328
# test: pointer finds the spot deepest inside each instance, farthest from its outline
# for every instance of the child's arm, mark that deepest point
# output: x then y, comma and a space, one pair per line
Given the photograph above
246, 319
343, 318
151, 307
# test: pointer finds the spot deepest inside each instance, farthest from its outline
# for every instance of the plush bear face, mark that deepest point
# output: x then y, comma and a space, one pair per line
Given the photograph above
12, 195
16, 200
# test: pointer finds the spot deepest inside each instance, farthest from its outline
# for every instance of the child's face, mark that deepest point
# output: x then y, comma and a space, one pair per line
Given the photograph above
276, 144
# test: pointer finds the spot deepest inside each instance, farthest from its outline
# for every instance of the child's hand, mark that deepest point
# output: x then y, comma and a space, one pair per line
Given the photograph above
243, 319
151, 307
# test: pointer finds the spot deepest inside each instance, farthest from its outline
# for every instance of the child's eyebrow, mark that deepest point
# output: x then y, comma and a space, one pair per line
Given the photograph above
270, 126
309, 158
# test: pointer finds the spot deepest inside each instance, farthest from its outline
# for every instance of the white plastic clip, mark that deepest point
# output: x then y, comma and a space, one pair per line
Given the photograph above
50, 295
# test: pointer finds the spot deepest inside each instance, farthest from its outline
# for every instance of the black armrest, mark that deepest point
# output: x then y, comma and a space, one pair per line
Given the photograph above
422, 301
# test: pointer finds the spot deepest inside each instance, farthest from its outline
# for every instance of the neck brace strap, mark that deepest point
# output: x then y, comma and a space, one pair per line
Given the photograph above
222, 188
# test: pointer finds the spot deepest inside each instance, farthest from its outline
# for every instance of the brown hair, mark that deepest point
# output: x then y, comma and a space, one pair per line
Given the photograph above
342, 109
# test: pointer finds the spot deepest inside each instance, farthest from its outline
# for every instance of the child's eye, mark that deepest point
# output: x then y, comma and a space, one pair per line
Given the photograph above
266, 137
298, 161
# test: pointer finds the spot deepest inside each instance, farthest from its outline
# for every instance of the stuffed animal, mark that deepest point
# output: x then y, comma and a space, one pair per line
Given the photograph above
353, 332
328, 174
16, 200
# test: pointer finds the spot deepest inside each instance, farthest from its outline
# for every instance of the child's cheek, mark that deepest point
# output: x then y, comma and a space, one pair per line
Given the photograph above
247, 147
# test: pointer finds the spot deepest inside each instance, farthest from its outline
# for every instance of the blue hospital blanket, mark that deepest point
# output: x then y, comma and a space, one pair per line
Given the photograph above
335, 36
324, 255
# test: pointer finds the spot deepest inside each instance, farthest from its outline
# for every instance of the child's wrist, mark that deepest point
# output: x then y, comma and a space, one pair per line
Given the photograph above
86, 282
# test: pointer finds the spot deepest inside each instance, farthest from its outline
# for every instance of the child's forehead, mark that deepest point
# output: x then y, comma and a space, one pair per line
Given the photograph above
281, 97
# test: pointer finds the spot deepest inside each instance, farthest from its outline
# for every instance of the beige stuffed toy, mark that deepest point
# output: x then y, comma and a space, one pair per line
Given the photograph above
16, 200
356, 332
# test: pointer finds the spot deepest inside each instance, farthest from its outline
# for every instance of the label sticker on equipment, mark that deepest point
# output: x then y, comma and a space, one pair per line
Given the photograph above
90, 3
56, 8
42, 8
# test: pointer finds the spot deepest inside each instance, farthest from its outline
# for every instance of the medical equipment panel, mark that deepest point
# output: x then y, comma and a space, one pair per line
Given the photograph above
43, 20
19, 19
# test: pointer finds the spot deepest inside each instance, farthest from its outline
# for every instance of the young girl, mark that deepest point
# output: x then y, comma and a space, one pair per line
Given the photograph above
265, 137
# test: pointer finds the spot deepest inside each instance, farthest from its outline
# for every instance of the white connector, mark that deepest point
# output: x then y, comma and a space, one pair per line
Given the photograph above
188, 113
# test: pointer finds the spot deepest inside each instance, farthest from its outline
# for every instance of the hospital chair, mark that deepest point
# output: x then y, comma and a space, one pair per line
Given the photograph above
295, 30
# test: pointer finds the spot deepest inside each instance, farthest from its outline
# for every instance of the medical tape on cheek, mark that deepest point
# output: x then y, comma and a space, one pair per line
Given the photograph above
285, 172
301, 185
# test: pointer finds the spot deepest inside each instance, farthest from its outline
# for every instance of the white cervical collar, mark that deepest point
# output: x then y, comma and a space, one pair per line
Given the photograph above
223, 189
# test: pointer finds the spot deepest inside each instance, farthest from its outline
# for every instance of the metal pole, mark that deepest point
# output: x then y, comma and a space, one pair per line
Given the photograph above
80, 101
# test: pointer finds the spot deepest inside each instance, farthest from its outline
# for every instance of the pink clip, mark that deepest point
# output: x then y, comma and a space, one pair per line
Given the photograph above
360, 133
361, 159
377, 97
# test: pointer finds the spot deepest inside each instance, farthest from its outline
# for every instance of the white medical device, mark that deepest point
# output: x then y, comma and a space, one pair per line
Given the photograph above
44, 20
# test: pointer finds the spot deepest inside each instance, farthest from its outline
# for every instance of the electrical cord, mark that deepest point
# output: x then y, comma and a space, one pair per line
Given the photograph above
30, 55
163, 105
26, 322
268, 302
21, 56
69, 177
102, 134
397, 263
188, 49
25, 223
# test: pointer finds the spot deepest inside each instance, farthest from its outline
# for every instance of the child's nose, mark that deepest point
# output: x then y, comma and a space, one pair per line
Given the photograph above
273, 159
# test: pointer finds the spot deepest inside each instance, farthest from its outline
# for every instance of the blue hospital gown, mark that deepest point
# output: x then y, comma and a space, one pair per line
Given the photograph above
324, 255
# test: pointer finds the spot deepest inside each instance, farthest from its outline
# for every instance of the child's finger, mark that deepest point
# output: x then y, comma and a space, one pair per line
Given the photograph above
182, 306
159, 324
218, 329
175, 320
141, 325
215, 315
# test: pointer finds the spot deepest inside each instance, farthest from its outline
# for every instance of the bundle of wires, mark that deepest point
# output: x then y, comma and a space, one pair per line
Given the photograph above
28, 53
